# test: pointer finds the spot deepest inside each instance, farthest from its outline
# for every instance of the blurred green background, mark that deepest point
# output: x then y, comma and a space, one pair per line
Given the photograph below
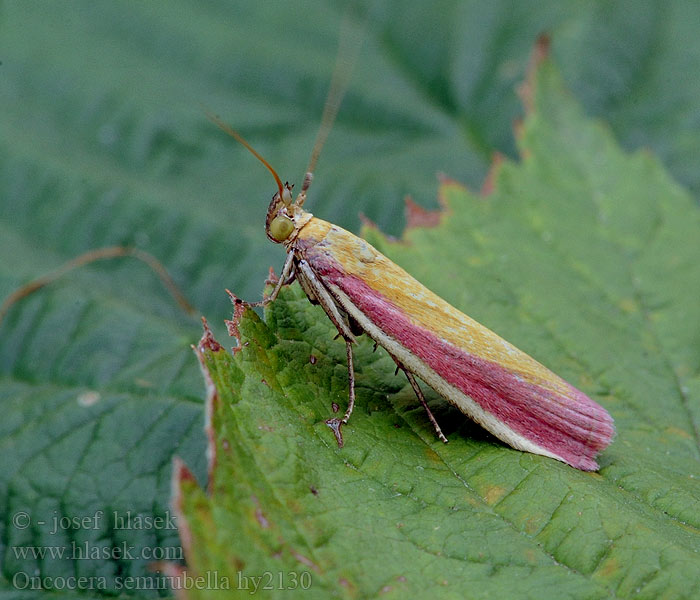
104, 141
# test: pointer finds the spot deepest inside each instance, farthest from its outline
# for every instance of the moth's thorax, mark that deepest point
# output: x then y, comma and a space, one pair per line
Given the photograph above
300, 219
313, 232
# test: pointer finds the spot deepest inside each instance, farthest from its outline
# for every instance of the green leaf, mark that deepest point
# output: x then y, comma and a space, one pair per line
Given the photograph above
103, 141
582, 255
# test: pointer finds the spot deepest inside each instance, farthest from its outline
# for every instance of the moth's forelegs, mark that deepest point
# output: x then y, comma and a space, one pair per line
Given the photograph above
421, 397
273, 280
335, 423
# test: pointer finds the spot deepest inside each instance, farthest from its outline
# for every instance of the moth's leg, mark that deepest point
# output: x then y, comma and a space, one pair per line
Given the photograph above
421, 397
335, 423
351, 380
290, 280
272, 279
312, 285
286, 275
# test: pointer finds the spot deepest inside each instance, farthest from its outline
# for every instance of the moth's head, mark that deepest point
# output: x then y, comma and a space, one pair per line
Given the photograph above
279, 225
284, 217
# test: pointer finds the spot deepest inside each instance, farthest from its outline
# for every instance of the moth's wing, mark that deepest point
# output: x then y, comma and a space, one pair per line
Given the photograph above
505, 390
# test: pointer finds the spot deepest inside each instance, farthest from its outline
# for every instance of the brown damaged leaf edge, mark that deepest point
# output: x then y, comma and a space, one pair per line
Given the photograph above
489, 184
526, 90
208, 344
181, 476
419, 217
233, 323
176, 573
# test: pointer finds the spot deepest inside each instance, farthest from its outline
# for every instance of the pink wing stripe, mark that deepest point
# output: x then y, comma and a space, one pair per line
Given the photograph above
573, 427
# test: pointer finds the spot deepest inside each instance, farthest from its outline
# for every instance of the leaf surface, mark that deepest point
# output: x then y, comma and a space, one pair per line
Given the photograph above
563, 257
103, 141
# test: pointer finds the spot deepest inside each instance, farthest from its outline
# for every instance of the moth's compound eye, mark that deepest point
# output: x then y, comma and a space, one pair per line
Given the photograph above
281, 228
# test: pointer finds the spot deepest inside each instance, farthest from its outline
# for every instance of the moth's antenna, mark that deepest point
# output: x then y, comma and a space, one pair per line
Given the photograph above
239, 138
351, 37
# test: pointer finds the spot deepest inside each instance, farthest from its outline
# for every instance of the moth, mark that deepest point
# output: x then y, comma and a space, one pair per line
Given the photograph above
362, 292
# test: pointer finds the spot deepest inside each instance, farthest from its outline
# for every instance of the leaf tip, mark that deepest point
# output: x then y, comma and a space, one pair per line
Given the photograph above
419, 217
447, 185
207, 341
540, 53
489, 184
272, 278
370, 229
367, 222
232, 325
